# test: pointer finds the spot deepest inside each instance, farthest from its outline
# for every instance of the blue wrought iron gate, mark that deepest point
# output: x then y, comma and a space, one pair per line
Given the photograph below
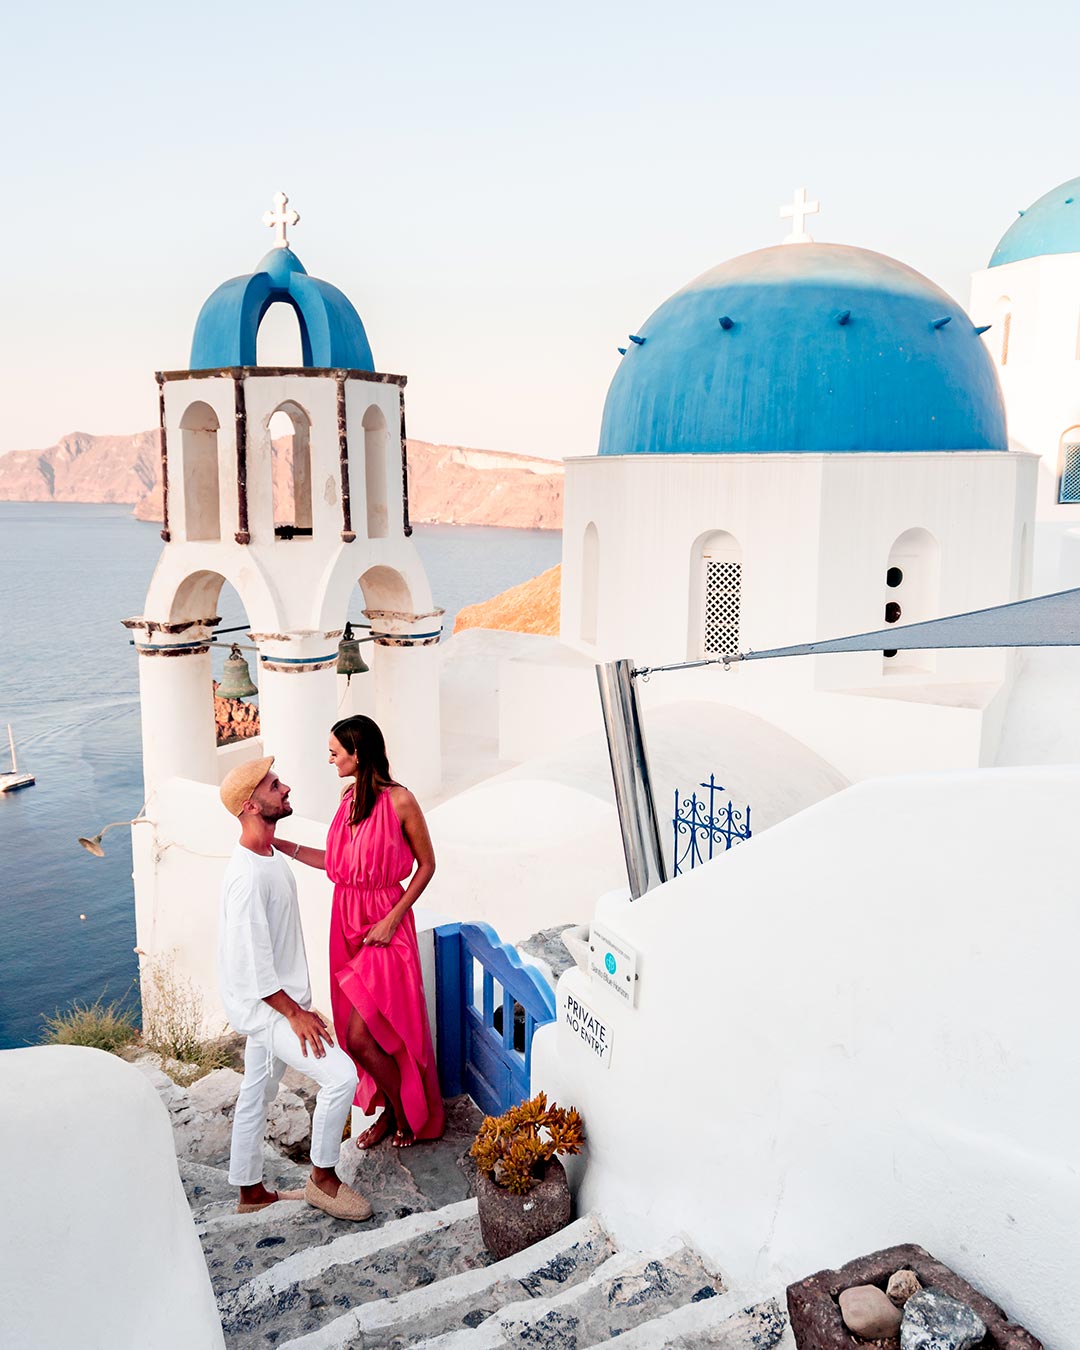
703, 830
488, 1005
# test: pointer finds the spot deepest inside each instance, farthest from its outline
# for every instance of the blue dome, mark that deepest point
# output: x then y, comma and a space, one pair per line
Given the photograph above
1051, 225
805, 347
331, 332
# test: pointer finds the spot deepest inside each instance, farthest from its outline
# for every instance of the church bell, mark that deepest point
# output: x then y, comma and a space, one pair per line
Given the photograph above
349, 660
236, 679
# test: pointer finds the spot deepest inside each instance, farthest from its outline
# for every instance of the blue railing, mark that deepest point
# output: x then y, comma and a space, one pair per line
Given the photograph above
488, 1005
701, 829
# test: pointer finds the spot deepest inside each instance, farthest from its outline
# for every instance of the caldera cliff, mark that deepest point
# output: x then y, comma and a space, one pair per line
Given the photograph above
448, 484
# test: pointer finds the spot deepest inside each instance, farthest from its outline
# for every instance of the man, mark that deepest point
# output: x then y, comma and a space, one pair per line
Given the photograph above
262, 968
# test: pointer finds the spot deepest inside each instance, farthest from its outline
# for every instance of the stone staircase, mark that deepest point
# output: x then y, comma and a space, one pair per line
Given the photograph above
417, 1274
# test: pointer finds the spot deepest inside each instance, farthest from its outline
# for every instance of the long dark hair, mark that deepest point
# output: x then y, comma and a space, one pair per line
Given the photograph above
361, 737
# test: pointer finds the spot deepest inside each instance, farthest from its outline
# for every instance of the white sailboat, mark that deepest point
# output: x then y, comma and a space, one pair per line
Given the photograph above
10, 781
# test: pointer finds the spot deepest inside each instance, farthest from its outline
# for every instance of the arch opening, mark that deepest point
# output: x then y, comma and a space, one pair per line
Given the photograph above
912, 584
1004, 319
199, 428
279, 340
590, 583
716, 576
375, 477
289, 433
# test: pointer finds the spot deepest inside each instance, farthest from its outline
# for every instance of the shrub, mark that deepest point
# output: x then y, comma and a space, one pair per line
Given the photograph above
173, 1021
100, 1025
516, 1146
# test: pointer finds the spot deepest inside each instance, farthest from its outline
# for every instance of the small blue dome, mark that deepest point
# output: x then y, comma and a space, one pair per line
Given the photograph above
331, 332
805, 347
1051, 225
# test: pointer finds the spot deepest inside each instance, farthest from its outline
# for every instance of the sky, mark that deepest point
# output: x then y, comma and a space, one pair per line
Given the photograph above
504, 191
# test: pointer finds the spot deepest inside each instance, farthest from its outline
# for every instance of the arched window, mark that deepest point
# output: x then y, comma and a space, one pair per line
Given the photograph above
1004, 319
199, 448
290, 467
910, 594
715, 595
590, 583
279, 341
375, 448
1069, 467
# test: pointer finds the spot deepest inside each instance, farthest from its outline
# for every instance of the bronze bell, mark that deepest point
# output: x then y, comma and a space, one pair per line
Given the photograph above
349, 660
236, 679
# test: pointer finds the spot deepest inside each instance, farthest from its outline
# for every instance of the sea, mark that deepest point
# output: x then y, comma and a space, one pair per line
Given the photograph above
69, 687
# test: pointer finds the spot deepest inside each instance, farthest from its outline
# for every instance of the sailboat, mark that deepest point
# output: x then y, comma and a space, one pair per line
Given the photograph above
10, 781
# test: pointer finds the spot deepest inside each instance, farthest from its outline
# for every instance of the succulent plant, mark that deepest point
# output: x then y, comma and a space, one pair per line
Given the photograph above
516, 1146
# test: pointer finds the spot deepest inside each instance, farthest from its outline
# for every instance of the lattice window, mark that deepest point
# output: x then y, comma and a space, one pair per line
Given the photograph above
1069, 490
723, 588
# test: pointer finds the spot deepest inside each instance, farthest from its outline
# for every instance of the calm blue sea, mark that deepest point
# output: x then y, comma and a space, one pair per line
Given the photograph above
69, 686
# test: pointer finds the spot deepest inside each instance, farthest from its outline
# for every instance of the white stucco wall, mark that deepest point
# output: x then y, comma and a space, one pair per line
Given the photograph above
100, 1248
1041, 377
815, 534
854, 1031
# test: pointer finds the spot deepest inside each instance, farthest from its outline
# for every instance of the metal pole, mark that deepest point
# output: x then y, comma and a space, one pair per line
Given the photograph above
630, 772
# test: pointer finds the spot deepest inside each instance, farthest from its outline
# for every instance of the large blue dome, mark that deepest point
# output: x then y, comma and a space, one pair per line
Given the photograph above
805, 347
331, 332
1051, 225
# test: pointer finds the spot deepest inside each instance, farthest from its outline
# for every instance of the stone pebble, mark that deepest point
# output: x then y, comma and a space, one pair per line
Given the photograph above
902, 1285
934, 1320
869, 1312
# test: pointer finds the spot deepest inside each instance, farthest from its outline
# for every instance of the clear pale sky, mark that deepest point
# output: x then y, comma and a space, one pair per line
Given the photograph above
503, 190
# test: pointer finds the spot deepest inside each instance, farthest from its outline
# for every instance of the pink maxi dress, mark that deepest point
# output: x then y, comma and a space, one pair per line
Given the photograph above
384, 984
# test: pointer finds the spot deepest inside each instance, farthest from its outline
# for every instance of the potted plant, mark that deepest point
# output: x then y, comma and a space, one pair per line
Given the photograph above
522, 1191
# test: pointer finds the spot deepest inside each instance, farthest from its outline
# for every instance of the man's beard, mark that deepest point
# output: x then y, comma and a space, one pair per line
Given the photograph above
270, 815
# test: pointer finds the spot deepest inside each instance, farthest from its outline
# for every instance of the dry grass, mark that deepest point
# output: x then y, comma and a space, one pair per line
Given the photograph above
173, 1023
100, 1025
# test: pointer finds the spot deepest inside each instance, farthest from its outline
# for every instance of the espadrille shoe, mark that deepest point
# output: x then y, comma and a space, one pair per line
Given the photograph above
265, 1204
347, 1204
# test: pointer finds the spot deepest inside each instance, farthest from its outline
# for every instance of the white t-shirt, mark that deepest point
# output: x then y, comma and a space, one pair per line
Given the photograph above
260, 942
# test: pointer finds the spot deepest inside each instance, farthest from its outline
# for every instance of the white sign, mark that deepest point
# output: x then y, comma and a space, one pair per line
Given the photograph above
584, 1025
613, 964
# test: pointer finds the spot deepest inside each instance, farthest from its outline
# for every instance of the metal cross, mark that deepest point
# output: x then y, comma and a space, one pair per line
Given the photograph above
797, 212
279, 219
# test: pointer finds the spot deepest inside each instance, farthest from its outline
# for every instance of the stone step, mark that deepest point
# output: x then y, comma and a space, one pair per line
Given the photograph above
727, 1322
209, 1193
238, 1247
628, 1289
466, 1300
300, 1293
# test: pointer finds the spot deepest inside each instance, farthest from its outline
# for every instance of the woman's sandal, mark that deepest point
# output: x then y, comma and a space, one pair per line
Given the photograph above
374, 1135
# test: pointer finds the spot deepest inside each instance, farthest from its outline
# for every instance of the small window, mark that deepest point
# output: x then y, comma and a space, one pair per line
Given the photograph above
1006, 327
1069, 486
894, 577
723, 596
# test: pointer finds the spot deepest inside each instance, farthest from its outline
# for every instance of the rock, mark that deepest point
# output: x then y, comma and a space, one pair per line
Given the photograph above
869, 1312
933, 1320
902, 1285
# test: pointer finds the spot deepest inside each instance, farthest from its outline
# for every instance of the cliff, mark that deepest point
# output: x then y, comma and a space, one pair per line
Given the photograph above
448, 484
532, 607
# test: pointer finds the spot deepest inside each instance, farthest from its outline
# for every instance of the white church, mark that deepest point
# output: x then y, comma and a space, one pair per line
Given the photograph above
853, 1029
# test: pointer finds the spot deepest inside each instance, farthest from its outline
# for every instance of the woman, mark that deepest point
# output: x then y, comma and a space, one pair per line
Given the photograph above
376, 984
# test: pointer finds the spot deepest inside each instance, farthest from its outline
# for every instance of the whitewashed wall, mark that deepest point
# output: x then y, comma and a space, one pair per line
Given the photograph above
815, 533
856, 1030
100, 1246
1041, 378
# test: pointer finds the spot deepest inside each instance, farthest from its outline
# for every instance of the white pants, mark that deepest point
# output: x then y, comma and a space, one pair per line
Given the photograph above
265, 1058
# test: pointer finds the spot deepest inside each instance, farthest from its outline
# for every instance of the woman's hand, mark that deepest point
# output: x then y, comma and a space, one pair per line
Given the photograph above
382, 933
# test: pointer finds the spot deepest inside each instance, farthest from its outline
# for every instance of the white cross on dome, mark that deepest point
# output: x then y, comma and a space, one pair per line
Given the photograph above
279, 219
796, 212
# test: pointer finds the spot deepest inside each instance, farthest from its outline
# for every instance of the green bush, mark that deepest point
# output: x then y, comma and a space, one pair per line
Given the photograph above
100, 1025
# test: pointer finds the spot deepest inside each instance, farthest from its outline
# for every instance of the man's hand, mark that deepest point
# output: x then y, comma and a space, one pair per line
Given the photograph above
310, 1030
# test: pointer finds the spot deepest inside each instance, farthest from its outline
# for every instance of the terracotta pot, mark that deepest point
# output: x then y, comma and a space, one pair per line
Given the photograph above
509, 1223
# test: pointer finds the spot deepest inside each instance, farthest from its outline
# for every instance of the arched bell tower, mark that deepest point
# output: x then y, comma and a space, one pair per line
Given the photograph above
293, 530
